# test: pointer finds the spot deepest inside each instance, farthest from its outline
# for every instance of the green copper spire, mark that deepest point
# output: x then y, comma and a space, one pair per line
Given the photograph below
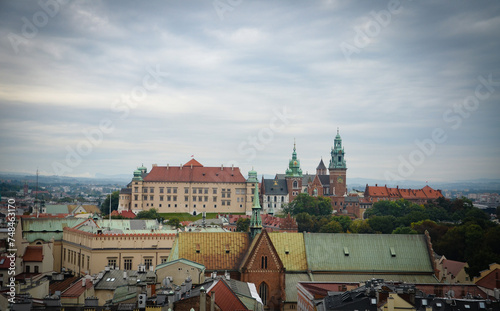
337, 160
252, 176
137, 175
294, 169
255, 221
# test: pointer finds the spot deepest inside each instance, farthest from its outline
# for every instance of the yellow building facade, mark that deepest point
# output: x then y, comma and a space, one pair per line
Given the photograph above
191, 188
93, 245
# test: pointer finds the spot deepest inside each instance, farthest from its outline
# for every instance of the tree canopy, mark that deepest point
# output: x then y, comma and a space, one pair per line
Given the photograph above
115, 197
304, 203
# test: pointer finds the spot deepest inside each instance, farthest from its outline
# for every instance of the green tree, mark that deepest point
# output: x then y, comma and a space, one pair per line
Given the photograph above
331, 227
404, 230
345, 221
360, 226
304, 222
115, 197
498, 212
304, 203
150, 214
382, 224
174, 222
242, 224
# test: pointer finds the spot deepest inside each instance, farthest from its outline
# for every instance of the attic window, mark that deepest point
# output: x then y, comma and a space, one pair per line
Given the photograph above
226, 247
287, 250
346, 251
197, 248
393, 252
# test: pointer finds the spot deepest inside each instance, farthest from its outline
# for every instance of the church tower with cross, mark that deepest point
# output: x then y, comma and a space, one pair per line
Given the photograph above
337, 168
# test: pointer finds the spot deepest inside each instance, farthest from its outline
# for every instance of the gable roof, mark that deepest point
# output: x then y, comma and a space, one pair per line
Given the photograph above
193, 163
381, 253
453, 267
260, 240
196, 173
214, 250
33, 253
225, 298
295, 259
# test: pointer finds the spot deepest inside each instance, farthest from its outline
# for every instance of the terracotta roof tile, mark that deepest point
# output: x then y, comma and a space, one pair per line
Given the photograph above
225, 298
76, 290
195, 174
193, 163
62, 285
33, 253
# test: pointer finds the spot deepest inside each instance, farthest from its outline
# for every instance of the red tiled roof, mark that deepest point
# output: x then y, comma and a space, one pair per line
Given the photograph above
225, 298
195, 174
33, 254
128, 214
76, 290
375, 191
409, 194
431, 193
453, 267
62, 285
193, 163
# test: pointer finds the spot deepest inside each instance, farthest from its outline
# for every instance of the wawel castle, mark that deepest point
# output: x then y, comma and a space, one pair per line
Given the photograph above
193, 188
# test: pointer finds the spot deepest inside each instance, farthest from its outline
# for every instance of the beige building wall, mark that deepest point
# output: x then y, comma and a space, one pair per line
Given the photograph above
184, 197
87, 253
179, 272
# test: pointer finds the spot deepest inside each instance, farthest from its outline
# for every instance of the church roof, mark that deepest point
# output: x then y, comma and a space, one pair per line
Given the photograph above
215, 250
291, 250
367, 253
321, 165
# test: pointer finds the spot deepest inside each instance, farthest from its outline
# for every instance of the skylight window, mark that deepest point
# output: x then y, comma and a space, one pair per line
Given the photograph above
346, 251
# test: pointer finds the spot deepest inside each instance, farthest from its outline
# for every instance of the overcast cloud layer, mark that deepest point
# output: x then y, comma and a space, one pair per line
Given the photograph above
92, 87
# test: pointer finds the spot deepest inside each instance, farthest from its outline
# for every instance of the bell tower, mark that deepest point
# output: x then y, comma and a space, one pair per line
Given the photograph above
293, 176
337, 168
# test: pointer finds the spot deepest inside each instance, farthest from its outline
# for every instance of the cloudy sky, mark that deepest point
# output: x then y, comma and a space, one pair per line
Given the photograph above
92, 87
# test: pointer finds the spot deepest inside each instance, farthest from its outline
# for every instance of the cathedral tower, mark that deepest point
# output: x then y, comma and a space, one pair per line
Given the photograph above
338, 168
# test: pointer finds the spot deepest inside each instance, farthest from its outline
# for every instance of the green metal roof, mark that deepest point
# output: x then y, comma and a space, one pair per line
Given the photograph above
291, 281
174, 252
361, 278
367, 253
49, 224
56, 209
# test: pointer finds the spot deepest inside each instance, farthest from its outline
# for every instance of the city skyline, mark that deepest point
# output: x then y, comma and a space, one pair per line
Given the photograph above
96, 87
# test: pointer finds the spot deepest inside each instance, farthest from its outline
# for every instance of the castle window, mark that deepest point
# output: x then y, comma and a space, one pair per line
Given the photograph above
295, 184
